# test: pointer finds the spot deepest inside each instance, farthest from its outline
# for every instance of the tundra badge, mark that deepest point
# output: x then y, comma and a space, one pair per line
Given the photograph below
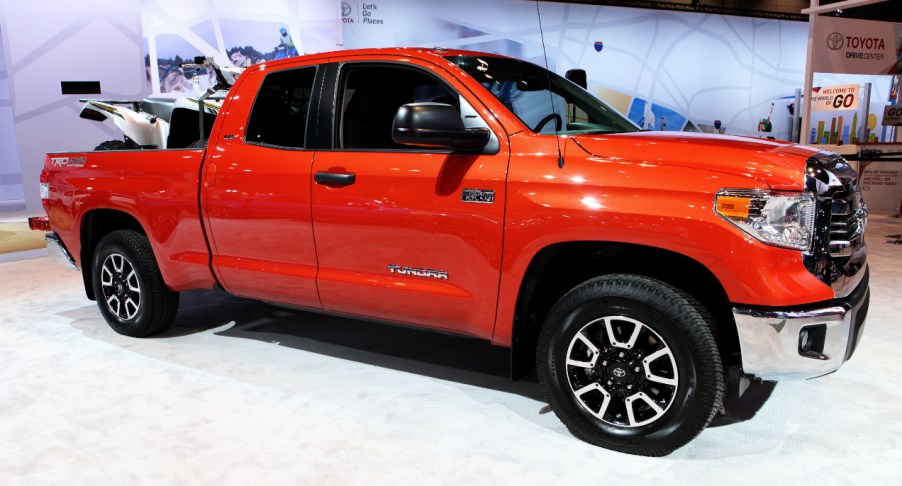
418, 272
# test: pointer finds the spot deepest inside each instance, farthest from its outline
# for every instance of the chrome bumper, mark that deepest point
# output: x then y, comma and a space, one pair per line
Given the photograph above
771, 340
58, 251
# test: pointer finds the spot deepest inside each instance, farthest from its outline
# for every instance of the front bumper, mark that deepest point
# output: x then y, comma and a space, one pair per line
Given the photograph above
774, 347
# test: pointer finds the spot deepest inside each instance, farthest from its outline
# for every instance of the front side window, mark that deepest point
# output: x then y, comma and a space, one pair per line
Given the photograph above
279, 115
371, 95
542, 100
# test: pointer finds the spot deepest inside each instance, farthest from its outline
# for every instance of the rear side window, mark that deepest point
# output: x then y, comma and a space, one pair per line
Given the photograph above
279, 115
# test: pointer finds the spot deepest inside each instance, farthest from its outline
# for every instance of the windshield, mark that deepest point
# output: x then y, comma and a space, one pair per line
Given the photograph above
524, 89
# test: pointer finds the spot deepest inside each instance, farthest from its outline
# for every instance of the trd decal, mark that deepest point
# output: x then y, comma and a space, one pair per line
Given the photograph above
68, 161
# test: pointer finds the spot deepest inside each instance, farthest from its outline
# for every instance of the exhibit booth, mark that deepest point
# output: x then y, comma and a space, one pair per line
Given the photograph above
859, 119
448, 263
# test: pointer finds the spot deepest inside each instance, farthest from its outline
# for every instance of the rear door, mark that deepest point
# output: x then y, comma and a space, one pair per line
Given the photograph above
257, 189
405, 233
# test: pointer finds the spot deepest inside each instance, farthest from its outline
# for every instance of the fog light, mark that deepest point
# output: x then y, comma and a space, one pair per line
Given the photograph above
811, 341
804, 342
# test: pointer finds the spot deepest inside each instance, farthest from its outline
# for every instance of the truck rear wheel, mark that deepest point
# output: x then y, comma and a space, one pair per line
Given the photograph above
629, 363
128, 286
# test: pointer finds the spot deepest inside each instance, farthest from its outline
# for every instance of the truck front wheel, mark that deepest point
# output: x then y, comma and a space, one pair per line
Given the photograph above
128, 286
629, 363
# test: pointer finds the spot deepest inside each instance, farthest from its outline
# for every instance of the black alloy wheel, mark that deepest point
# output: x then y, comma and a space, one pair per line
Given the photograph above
128, 286
630, 363
120, 286
621, 371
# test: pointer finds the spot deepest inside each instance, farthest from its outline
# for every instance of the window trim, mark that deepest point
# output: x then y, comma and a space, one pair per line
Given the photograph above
315, 94
337, 81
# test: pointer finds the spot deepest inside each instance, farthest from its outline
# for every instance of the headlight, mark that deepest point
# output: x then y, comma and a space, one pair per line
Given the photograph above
779, 219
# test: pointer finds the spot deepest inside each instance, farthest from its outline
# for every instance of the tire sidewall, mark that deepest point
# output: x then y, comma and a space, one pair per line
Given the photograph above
680, 423
109, 245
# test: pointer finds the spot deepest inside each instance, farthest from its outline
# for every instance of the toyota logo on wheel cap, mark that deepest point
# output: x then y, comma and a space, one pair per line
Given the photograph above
619, 372
835, 41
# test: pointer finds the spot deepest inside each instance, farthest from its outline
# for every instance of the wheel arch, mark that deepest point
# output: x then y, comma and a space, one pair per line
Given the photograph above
559, 267
96, 224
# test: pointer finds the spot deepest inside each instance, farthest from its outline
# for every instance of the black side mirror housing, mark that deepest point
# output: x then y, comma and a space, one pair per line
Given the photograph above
435, 125
578, 77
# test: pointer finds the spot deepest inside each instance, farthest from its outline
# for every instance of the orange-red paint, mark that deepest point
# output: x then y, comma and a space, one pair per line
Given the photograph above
275, 235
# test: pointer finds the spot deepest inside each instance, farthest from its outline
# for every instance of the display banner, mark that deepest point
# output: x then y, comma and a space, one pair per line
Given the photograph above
892, 115
833, 98
232, 32
854, 46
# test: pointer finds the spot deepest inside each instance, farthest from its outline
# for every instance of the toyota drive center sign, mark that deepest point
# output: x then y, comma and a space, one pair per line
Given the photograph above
857, 46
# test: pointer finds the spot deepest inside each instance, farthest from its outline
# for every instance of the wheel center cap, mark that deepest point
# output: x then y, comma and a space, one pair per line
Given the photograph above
619, 373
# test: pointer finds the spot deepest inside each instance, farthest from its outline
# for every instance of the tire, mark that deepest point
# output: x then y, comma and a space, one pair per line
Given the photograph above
112, 145
128, 286
654, 379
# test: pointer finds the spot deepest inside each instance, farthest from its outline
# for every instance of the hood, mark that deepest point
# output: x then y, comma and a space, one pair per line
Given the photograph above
780, 165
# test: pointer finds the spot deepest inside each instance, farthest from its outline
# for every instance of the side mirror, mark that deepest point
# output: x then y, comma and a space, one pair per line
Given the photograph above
435, 125
578, 77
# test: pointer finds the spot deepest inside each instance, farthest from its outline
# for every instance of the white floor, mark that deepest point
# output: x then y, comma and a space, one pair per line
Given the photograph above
243, 393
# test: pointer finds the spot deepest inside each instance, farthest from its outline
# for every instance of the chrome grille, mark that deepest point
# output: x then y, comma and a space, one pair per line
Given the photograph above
841, 220
848, 218
838, 256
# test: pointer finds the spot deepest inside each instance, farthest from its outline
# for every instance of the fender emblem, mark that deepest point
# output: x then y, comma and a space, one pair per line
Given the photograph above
479, 196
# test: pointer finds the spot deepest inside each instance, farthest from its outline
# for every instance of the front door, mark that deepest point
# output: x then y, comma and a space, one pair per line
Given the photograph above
404, 233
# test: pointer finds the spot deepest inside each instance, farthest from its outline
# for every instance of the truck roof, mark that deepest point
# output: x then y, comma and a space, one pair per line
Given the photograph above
417, 52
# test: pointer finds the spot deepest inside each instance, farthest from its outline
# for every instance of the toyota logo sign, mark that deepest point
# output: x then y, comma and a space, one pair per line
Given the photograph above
835, 41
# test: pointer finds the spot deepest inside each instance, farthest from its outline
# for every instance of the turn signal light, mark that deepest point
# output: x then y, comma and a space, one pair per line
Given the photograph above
733, 206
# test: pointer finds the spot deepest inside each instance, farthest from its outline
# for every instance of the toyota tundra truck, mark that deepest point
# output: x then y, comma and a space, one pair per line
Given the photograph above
488, 197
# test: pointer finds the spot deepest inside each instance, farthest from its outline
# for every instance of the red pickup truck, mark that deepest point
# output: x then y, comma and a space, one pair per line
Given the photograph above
485, 196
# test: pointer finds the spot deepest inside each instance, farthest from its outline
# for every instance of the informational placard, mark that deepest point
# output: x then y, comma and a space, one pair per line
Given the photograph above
892, 116
855, 46
834, 98
880, 183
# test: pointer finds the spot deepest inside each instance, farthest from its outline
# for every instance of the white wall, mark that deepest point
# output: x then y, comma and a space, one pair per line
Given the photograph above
704, 67
687, 66
11, 196
51, 41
